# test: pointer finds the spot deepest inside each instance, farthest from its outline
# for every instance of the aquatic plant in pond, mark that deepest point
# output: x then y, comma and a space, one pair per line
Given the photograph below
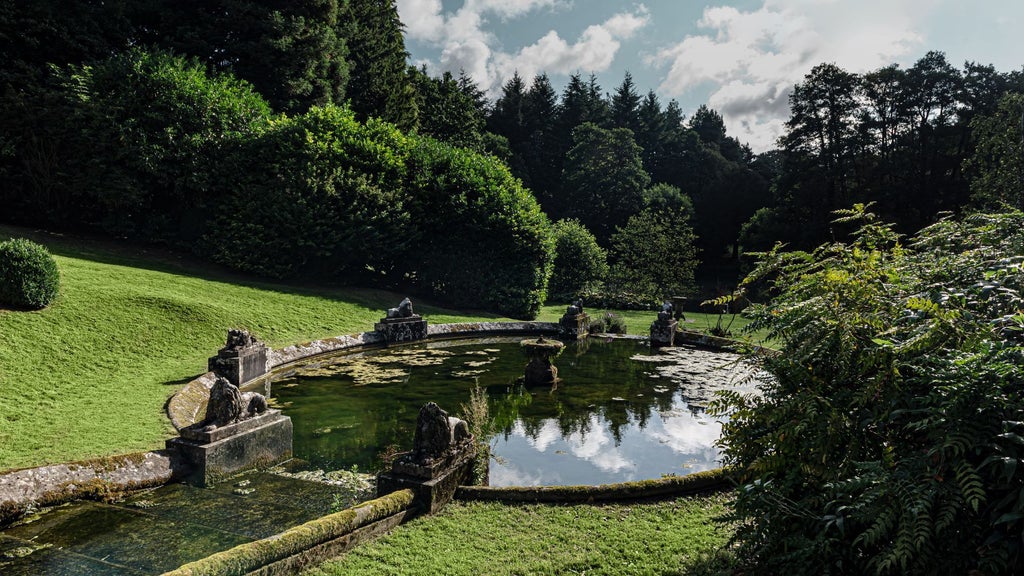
620, 412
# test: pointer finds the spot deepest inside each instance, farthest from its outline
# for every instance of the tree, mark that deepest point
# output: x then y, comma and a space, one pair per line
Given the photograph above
625, 105
292, 52
654, 255
603, 181
997, 166
541, 162
448, 114
380, 86
580, 264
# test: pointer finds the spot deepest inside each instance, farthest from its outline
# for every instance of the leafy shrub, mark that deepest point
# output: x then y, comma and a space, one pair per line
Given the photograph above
132, 144
482, 239
608, 323
889, 435
654, 255
580, 264
316, 195
28, 274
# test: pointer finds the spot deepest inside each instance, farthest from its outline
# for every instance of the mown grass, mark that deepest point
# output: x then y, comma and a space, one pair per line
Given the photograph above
89, 375
664, 538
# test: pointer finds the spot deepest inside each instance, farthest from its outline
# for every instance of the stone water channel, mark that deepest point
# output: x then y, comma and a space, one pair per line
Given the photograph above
619, 411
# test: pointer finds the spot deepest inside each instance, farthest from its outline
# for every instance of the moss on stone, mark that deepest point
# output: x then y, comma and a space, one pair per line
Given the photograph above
254, 555
670, 486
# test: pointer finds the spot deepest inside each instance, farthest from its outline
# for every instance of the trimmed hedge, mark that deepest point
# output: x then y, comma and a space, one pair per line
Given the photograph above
28, 274
580, 263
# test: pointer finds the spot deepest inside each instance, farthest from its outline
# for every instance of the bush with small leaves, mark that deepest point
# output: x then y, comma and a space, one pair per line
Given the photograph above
28, 274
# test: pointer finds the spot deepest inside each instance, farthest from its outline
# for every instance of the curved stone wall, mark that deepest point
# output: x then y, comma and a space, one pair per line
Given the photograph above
188, 405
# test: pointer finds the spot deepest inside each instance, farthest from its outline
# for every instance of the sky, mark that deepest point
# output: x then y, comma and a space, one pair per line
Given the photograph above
740, 57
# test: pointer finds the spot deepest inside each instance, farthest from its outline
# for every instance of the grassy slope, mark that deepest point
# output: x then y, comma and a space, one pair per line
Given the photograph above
676, 537
89, 375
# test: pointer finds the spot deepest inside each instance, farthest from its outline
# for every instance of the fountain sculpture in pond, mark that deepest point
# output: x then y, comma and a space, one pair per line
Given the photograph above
442, 458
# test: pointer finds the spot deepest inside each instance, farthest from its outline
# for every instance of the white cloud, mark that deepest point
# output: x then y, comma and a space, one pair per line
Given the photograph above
466, 45
752, 59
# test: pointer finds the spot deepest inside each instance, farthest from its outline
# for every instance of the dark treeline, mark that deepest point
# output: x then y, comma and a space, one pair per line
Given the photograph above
147, 120
276, 137
918, 142
600, 158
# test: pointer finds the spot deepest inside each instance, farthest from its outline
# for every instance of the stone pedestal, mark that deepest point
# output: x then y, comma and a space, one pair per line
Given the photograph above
213, 455
574, 326
241, 360
406, 329
663, 332
678, 302
540, 371
434, 485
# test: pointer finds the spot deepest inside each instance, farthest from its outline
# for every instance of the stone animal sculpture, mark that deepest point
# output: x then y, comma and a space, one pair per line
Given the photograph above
404, 310
238, 338
436, 434
575, 309
666, 312
228, 404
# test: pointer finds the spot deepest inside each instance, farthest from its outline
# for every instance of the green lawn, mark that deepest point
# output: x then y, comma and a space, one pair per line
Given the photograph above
90, 375
664, 538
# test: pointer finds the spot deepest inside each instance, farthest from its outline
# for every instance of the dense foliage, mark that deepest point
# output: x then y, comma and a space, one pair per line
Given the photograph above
324, 196
889, 436
130, 144
481, 239
654, 256
580, 263
28, 274
896, 137
318, 195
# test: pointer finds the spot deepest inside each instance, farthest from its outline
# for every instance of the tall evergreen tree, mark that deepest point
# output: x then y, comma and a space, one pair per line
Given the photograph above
507, 119
625, 105
542, 163
446, 112
380, 85
290, 51
651, 134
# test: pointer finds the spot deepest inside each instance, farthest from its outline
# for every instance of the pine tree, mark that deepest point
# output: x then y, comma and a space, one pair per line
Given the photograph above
540, 158
625, 104
380, 85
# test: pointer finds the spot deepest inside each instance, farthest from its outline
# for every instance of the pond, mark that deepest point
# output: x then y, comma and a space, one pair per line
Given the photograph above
620, 411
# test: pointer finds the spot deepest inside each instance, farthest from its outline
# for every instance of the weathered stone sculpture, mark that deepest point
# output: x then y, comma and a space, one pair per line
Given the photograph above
540, 371
238, 433
242, 358
401, 324
228, 405
663, 330
575, 323
404, 310
437, 434
442, 458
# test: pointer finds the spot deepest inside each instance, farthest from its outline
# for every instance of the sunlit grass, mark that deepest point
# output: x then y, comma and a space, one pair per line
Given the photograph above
664, 538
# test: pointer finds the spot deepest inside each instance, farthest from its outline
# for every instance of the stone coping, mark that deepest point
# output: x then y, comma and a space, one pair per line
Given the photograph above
97, 479
188, 405
308, 544
716, 480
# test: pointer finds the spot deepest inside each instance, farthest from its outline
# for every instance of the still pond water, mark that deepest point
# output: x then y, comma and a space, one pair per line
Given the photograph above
620, 412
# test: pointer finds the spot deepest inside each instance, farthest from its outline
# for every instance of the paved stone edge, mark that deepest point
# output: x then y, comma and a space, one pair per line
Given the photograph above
719, 479
101, 479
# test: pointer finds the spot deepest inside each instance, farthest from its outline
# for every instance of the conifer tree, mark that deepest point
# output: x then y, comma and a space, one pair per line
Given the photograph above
625, 104
380, 85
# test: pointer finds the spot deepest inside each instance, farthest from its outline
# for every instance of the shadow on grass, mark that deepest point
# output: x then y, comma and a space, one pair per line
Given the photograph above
157, 258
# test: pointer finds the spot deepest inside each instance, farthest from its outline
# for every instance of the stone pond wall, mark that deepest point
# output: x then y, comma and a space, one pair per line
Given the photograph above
107, 478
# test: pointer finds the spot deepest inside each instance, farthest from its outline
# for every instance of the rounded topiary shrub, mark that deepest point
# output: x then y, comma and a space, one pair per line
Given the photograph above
28, 274
580, 264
